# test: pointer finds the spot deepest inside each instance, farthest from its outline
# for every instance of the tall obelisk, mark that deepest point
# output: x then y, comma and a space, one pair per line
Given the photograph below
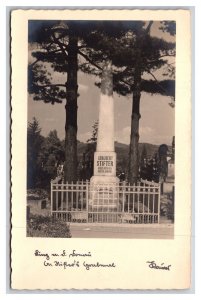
105, 156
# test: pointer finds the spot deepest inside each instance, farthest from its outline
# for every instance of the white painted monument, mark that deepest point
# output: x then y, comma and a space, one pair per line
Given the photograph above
104, 195
105, 156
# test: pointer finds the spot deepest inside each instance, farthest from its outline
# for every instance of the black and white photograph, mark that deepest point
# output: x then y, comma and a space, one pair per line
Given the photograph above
101, 149
100, 130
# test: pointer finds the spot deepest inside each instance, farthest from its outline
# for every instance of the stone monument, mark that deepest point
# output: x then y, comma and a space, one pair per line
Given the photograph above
104, 183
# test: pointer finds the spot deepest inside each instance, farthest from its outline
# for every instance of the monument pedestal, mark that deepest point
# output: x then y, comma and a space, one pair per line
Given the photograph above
104, 188
104, 180
104, 199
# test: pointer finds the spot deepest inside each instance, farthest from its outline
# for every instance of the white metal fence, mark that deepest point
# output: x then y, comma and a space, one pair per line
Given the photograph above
106, 203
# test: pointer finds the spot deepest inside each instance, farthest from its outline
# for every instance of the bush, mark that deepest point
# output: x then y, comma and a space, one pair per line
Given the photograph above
45, 226
167, 207
35, 194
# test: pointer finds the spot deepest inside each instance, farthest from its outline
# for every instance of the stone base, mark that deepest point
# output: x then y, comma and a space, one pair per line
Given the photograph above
103, 218
104, 180
104, 195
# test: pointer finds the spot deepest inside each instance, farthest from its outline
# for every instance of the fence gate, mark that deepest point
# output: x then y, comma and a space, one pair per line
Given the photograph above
106, 203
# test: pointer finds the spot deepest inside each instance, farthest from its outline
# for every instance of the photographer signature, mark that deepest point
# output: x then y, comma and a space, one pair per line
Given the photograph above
153, 265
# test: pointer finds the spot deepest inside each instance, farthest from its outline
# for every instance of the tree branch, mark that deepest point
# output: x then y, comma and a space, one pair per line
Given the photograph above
82, 46
147, 30
97, 66
52, 85
32, 64
164, 90
60, 45
89, 60
53, 52
166, 55
48, 46
123, 81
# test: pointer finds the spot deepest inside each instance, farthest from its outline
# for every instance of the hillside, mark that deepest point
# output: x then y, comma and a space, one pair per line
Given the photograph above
122, 150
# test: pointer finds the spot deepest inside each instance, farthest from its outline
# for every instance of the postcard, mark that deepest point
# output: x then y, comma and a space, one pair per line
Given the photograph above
101, 149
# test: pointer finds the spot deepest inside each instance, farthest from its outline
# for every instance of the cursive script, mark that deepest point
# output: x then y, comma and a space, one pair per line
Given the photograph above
153, 265
72, 259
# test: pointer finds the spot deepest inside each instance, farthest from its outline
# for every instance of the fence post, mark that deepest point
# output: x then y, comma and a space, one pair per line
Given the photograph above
87, 200
173, 204
51, 199
62, 197
123, 196
159, 202
161, 188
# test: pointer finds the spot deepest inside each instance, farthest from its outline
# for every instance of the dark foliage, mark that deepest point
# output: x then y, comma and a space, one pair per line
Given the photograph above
35, 194
43, 156
164, 87
34, 144
169, 26
45, 226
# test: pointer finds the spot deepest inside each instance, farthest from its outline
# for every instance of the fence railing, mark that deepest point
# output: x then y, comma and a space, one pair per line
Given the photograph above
106, 203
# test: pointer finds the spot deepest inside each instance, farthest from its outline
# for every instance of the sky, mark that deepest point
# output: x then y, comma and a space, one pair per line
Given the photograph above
157, 116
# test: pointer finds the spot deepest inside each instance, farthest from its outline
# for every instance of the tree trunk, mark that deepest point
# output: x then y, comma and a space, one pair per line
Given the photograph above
133, 169
70, 168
